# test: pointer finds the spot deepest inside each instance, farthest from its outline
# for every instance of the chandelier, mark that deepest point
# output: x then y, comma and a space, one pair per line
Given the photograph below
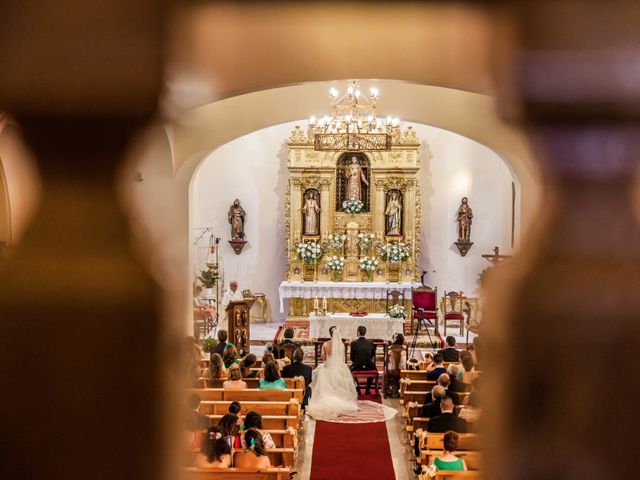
353, 124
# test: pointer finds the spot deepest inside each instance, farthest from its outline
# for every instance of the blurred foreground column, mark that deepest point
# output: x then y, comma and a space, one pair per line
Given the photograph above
563, 319
80, 349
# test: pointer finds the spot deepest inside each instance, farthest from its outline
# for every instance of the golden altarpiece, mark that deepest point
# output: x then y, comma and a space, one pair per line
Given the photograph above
376, 164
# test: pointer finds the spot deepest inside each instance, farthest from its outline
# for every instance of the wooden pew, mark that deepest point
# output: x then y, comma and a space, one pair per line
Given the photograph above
466, 475
420, 396
270, 422
283, 457
252, 383
219, 394
414, 374
237, 474
473, 459
467, 441
263, 408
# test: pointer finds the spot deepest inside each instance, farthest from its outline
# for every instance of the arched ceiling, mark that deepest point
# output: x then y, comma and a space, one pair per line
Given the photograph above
472, 115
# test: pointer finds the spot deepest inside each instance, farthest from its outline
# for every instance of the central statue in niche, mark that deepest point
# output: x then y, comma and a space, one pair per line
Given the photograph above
354, 177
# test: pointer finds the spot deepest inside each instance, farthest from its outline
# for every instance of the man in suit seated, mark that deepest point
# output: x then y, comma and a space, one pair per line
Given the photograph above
447, 420
432, 409
444, 381
451, 353
362, 354
437, 368
288, 340
299, 369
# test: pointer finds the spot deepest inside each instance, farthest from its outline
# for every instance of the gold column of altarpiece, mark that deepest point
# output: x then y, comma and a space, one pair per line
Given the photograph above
394, 168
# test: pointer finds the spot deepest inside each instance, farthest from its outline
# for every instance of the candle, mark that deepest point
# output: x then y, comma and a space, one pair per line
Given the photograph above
324, 303
315, 303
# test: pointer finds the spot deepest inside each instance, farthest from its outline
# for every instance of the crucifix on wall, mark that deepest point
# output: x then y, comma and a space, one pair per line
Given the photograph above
496, 257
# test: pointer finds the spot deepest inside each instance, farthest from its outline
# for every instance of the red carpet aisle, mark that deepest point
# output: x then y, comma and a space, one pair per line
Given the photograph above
351, 451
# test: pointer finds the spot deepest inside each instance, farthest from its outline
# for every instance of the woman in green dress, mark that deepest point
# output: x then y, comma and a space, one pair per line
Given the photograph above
448, 461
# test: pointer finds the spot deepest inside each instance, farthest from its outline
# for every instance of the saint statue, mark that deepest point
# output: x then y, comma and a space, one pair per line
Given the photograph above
393, 212
236, 217
354, 176
311, 211
464, 216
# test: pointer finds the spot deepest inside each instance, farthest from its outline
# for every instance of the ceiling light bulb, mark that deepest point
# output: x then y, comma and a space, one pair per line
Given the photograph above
350, 89
348, 118
374, 91
312, 120
389, 120
369, 118
333, 92
357, 93
395, 121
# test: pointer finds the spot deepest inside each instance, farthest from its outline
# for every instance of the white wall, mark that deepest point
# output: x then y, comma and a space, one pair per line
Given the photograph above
253, 169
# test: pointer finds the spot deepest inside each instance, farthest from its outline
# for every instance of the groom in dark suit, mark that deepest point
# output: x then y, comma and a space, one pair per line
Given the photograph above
362, 356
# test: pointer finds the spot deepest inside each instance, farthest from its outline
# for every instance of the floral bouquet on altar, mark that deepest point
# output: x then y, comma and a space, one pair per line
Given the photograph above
335, 264
336, 242
395, 252
369, 265
352, 206
309, 251
397, 311
366, 240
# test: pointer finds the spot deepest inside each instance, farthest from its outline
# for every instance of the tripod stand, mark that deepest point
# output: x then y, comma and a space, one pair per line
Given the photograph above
420, 322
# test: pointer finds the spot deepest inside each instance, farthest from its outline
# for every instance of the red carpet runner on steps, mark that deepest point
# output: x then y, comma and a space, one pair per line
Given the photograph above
351, 451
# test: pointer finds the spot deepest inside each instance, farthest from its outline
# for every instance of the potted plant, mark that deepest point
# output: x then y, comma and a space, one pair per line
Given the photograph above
209, 278
208, 344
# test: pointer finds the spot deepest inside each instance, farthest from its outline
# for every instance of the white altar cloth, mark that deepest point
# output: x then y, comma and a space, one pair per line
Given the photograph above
379, 325
375, 290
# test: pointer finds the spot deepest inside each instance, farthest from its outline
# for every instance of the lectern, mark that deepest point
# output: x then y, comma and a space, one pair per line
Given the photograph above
239, 322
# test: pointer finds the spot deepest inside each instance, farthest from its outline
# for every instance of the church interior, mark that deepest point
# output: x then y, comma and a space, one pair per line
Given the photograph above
317, 240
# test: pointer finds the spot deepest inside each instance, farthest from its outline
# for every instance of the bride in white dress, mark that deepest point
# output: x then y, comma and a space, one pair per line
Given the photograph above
334, 392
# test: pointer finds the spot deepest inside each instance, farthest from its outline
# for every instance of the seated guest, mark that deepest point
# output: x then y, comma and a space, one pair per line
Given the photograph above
266, 358
448, 461
235, 407
255, 455
475, 349
215, 451
469, 372
471, 412
194, 420
235, 381
229, 426
247, 363
450, 354
395, 353
454, 372
254, 420
432, 409
272, 379
193, 355
230, 355
288, 340
216, 366
427, 362
222, 342
447, 420
299, 369
444, 381
436, 369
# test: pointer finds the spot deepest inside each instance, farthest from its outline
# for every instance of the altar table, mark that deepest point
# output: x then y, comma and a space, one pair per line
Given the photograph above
379, 325
368, 290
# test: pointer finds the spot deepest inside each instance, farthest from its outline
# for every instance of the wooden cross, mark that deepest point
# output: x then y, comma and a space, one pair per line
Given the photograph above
496, 257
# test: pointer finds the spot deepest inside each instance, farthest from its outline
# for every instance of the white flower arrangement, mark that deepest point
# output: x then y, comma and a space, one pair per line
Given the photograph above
397, 311
309, 251
395, 252
352, 206
335, 264
366, 240
369, 264
337, 241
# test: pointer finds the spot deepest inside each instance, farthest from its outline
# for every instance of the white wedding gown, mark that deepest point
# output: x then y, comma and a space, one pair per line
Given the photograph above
334, 393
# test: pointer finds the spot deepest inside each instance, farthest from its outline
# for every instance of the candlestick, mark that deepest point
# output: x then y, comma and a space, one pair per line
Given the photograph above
315, 304
324, 303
